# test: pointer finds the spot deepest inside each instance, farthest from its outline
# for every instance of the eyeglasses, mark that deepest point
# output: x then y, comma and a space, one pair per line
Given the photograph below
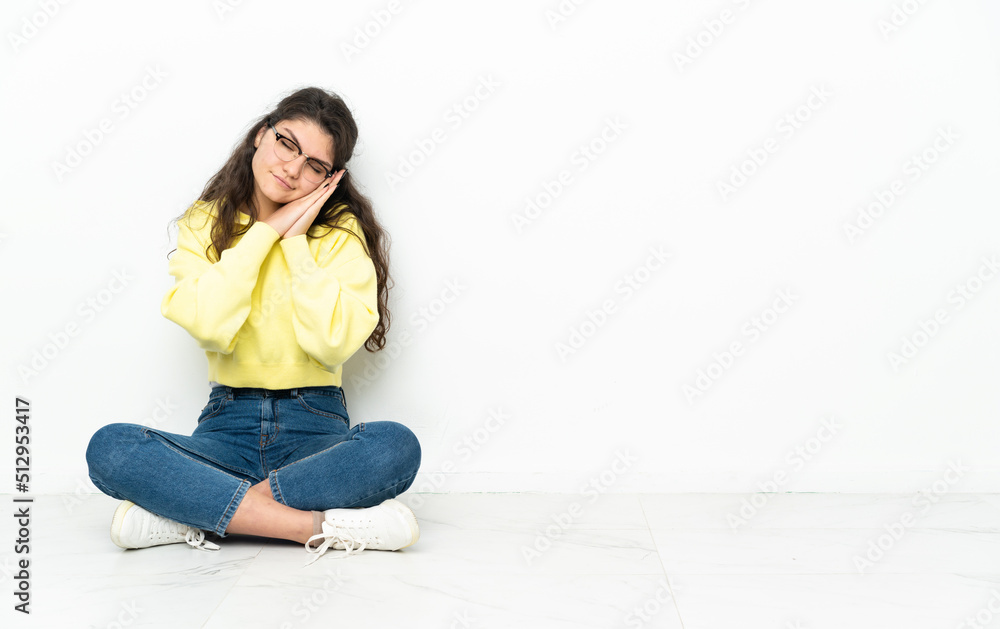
286, 150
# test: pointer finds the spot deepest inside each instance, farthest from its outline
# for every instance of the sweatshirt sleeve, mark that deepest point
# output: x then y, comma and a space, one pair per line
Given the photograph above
334, 298
212, 300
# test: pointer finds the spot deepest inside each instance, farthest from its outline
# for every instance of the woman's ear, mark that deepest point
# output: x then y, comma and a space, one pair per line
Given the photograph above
260, 134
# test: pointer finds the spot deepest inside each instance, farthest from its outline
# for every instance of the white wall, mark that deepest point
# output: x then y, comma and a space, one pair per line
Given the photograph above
494, 347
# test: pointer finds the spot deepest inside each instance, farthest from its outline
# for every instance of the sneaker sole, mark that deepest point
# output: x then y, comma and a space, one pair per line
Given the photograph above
118, 520
409, 517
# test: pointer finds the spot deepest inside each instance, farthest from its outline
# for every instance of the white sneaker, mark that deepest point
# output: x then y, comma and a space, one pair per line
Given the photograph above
134, 527
387, 526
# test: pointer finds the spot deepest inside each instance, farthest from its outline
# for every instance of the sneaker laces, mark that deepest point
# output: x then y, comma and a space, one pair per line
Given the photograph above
338, 534
196, 539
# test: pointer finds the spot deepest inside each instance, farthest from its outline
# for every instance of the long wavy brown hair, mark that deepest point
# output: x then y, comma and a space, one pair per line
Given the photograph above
232, 190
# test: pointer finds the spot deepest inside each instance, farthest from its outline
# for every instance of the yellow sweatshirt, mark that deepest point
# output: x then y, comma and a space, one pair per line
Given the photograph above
273, 312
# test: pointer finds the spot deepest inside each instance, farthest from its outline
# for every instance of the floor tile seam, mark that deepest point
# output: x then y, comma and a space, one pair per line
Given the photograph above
229, 589
659, 556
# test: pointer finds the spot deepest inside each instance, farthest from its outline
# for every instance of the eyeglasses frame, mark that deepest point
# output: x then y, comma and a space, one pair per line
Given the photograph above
278, 137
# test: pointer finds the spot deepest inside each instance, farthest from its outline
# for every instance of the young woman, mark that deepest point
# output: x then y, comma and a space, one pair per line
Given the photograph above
281, 274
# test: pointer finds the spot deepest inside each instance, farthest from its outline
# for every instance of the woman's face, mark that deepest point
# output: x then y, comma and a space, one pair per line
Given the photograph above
278, 182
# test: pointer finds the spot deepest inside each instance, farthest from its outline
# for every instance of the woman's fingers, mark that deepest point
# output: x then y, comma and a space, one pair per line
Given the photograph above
310, 209
335, 179
327, 189
306, 208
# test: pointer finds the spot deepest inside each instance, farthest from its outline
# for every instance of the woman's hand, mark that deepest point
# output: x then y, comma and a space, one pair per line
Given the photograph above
295, 218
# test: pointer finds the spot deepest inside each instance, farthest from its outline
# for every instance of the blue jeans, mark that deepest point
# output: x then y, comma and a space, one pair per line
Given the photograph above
300, 440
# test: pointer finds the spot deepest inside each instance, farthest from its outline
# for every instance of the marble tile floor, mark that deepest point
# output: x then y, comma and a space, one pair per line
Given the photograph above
802, 561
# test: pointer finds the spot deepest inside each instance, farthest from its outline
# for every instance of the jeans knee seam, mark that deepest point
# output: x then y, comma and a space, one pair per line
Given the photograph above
222, 468
314, 454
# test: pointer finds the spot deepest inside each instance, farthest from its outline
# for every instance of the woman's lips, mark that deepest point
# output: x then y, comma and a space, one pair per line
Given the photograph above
282, 182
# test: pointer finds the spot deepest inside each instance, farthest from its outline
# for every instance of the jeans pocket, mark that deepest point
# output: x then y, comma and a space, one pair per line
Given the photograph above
329, 405
213, 408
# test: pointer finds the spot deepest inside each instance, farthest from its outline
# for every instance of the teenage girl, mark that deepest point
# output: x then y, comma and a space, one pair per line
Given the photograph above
281, 274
